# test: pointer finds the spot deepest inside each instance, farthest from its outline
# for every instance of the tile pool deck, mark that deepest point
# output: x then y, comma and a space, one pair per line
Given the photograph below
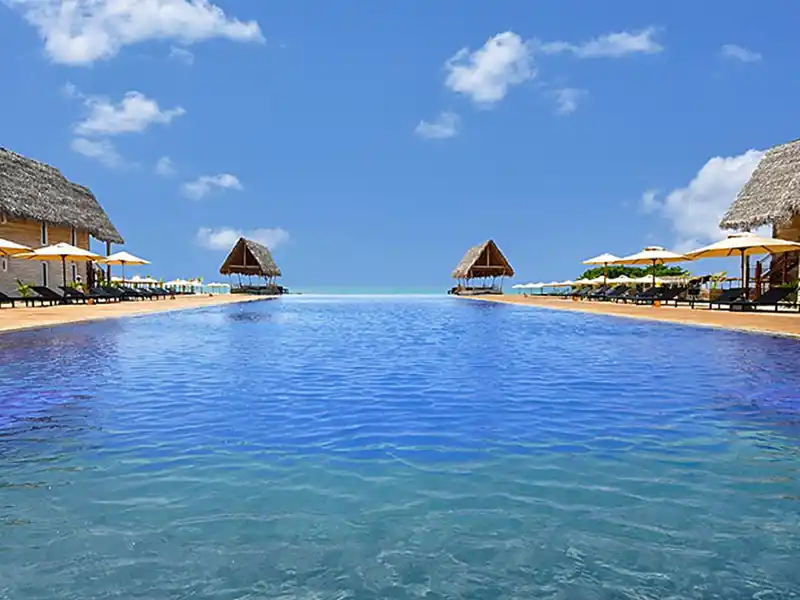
14, 319
781, 323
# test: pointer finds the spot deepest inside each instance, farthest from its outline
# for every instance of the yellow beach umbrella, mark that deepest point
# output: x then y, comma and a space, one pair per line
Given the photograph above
122, 259
744, 244
605, 260
652, 255
9, 248
63, 252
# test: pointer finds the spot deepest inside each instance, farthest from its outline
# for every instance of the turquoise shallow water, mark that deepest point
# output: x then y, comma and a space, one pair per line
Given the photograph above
366, 448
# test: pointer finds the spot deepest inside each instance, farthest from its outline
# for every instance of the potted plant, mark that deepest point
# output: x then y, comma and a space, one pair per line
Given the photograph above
716, 281
24, 289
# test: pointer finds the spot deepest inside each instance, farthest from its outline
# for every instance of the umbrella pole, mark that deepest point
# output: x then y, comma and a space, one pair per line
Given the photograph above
744, 276
605, 273
654, 273
64, 273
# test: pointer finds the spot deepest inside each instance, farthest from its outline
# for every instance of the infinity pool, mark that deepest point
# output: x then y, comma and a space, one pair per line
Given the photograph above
374, 448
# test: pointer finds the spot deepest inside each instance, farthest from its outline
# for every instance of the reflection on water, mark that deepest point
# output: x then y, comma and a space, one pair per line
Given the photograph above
397, 448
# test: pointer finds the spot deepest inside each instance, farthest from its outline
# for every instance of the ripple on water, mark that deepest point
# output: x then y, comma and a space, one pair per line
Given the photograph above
397, 448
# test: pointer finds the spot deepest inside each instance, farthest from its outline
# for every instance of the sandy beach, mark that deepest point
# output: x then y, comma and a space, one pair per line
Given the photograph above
783, 323
14, 319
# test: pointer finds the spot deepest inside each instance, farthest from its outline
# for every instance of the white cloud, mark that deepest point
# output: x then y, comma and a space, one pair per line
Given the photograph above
735, 52
610, 45
694, 211
223, 238
567, 100
445, 126
80, 32
133, 114
204, 185
181, 55
165, 167
487, 74
101, 150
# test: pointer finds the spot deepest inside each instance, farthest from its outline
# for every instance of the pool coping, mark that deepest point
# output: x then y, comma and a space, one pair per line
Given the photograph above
89, 313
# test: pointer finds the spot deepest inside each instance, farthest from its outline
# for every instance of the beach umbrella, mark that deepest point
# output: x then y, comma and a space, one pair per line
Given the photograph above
123, 258
744, 244
622, 279
648, 279
9, 248
583, 281
605, 260
516, 286
598, 280
652, 255
63, 252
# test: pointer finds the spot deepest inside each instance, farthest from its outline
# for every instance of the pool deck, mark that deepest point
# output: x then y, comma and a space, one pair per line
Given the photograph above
15, 319
768, 322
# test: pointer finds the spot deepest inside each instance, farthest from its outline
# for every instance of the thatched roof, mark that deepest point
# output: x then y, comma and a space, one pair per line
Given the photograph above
33, 190
483, 260
250, 258
772, 194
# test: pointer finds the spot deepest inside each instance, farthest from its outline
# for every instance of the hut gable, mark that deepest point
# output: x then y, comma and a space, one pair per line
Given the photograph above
483, 260
36, 191
772, 194
250, 258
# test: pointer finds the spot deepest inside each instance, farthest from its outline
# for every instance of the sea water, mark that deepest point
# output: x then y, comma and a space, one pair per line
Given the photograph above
380, 447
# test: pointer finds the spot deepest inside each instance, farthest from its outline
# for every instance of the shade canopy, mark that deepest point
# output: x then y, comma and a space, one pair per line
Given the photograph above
603, 259
621, 279
60, 251
123, 258
652, 255
9, 248
744, 244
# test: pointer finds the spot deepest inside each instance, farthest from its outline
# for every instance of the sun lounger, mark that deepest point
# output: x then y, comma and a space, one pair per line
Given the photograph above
617, 292
599, 293
774, 298
102, 294
49, 294
646, 296
119, 293
28, 300
727, 297
12, 300
140, 292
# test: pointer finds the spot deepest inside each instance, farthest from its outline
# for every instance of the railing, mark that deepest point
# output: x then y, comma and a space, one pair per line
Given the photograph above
777, 269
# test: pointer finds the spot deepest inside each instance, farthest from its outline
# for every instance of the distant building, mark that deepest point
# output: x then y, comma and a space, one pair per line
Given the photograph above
252, 259
482, 270
772, 197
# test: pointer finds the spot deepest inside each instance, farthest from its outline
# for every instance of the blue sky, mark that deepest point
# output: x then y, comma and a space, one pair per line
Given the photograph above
370, 143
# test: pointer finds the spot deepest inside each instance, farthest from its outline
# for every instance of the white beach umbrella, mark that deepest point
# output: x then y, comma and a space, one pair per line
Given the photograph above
9, 248
598, 280
516, 286
583, 281
744, 244
603, 259
63, 252
123, 258
652, 255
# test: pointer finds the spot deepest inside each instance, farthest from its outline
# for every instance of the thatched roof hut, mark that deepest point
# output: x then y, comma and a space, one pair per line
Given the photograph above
33, 190
772, 194
483, 260
250, 258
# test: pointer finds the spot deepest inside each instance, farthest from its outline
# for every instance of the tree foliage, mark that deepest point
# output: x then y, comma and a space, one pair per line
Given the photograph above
633, 272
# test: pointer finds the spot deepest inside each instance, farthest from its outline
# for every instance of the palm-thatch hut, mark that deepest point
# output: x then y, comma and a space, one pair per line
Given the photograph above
486, 264
772, 197
39, 207
252, 259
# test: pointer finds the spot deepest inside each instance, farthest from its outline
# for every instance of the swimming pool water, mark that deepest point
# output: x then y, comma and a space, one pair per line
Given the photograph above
397, 448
